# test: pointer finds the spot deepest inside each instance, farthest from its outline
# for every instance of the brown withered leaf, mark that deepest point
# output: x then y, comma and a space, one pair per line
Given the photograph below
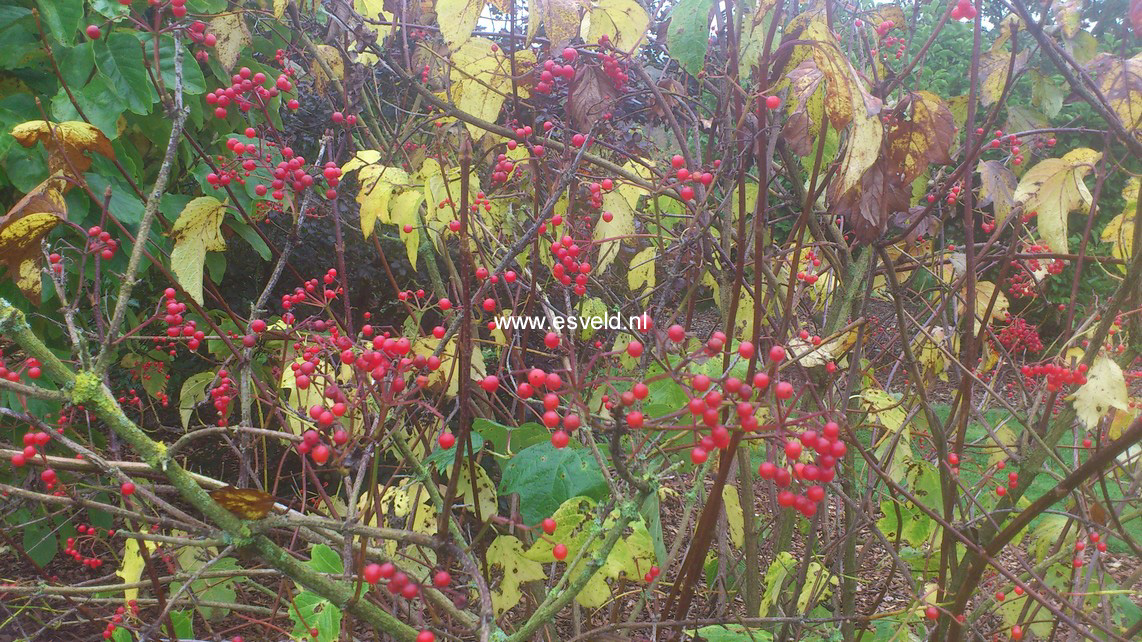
801, 128
922, 135
869, 205
22, 229
67, 143
670, 87
246, 503
1136, 17
590, 96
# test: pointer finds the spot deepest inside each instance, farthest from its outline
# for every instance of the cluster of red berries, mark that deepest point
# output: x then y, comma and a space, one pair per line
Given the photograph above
221, 395
615, 69
250, 89
311, 443
1012, 483
33, 442
963, 10
684, 175
1011, 141
1022, 284
117, 620
829, 448
807, 276
130, 399
177, 325
1019, 336
553, 72
652, 574
1057, 376
99, 242
568, 267
398, 582
198, 34
71, 551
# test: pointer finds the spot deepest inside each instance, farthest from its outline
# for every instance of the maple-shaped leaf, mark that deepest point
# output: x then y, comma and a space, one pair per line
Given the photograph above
1105, 388
1121, 82
68, 143
197, 231
921, 134
1120, 229
1053, 189
246, 503
506, 552
22, 229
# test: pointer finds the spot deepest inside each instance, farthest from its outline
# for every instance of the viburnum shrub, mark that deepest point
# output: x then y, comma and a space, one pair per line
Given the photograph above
520, 321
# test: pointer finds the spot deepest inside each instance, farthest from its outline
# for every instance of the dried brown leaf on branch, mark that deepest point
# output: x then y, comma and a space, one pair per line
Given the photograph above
22, 229
590, 96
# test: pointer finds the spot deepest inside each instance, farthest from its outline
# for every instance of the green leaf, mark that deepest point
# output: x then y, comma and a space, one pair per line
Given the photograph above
39, 539
782, 566
311, 611
732, 633
215, 589
544, 477
325, 560
183, 622
503, 437
62, 18
110, 8
193, 82
193, 392
197, 231
443, 458
651, 512
689, 34
119, 56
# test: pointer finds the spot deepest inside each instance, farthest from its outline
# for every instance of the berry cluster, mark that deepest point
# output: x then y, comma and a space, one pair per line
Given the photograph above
553, 72
568, 267
71, 550
177, 325
33, 442
1011, 141
684, 176
198, 34
117, 619
99, 242
250, 89
1057, 375
829, 448
1020, 336
222, 395
963, 10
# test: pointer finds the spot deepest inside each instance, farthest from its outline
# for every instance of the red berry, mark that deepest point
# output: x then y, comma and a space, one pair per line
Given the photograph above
548, 525
93, 32
426, 636
932, 613
372, 573
699, 455
677, 162
784, 390
560, 439
128, 489
560, 551
446, 440
772, 102
441, 579
676, 333
777, 354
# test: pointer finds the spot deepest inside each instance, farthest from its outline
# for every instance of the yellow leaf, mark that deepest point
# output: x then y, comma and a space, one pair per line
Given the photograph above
403, 211
885, 408
929, 350
485, 492
131, 569
280, 7
376, 184
24, 227
1120, 421
506, 553
560, 19
332, 57
197, 231
808, 355
481, 78
735, 519
1054, 188
590, 307
819, 582
1120, 229
1121, 82
68, 143
623, 21
449, 364
1105, 389
457, 18
996, 188
984, 290
233, 36
993, 66
642, 270
610, 235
